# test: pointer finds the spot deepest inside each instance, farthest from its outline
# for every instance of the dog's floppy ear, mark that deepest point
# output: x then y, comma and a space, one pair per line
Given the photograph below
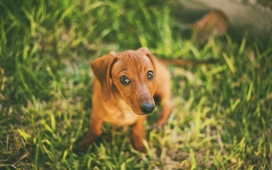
102, 70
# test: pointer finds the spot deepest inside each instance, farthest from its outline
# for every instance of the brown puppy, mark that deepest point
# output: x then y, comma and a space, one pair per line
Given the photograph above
123, 92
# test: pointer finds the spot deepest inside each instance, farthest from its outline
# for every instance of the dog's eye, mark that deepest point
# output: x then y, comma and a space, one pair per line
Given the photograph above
150, 75
124, 80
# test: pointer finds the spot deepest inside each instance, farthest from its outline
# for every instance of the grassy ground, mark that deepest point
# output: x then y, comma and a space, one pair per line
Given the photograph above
222, 118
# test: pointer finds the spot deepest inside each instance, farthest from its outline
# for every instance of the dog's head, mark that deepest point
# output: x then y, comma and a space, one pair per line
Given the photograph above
131, 74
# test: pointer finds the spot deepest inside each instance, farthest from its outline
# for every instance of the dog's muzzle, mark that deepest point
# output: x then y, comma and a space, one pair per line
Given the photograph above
147, 108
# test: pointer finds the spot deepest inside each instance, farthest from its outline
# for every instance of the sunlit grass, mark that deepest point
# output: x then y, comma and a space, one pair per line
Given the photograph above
222, 111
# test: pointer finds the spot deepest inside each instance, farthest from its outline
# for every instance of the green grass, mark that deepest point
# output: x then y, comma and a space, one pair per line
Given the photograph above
222, 117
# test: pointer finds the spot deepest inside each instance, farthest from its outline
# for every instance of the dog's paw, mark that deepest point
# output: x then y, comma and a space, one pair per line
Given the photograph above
82, 145
139, 146
78, 147
158, 125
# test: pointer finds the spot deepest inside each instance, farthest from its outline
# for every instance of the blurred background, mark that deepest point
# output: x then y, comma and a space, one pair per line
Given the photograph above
222, 113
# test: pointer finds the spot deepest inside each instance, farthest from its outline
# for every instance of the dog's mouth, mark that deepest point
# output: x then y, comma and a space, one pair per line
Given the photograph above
144, 108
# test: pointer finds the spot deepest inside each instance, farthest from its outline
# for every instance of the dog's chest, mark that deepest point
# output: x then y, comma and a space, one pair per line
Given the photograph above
123, 114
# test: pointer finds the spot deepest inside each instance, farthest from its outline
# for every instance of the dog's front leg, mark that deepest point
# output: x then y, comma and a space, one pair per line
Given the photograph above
93, 133
138, 132
167, 107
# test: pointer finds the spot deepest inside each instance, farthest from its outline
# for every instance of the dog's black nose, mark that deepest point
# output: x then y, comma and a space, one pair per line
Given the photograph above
147, 108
